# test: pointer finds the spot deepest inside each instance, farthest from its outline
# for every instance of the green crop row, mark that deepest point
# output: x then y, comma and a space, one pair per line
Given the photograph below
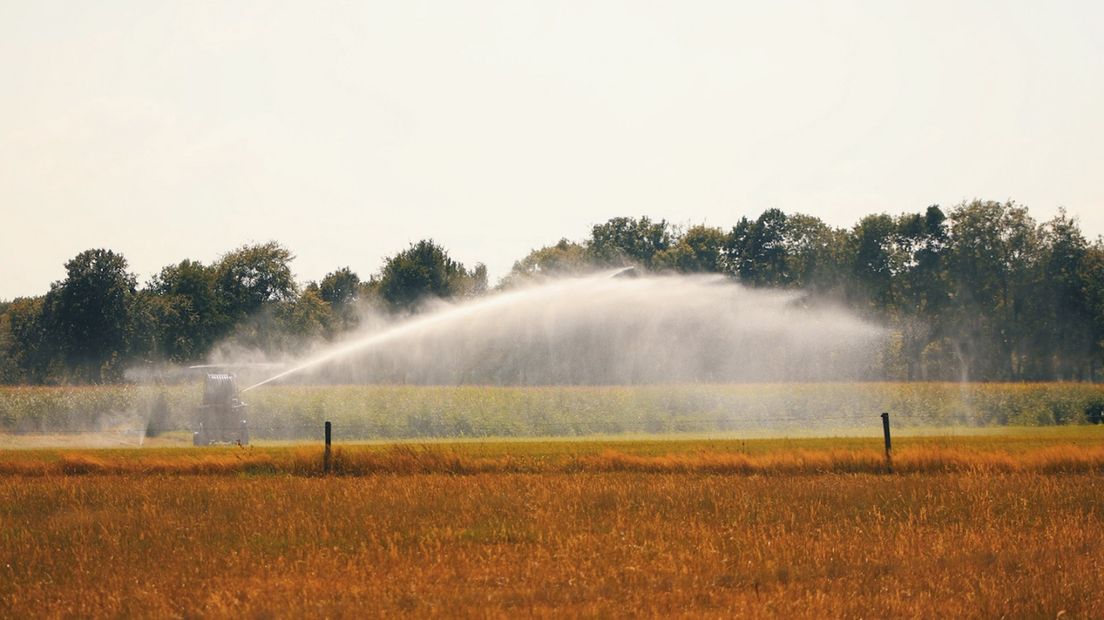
363, 412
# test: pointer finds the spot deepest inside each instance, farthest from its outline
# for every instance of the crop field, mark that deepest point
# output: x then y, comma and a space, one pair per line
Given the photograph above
390, 412
985, 524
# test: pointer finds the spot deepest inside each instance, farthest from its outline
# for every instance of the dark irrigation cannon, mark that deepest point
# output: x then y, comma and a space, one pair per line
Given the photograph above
221, 418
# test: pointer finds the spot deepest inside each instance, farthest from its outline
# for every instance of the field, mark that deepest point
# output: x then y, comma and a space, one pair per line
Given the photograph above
388, 412
991, 523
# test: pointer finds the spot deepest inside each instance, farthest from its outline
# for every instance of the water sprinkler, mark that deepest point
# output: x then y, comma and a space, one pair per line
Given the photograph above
221, 418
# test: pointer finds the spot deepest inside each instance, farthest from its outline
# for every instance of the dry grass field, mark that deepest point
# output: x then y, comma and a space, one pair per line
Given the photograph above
973, 526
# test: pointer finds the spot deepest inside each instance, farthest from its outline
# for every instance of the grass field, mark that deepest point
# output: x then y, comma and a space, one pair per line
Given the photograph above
979, 524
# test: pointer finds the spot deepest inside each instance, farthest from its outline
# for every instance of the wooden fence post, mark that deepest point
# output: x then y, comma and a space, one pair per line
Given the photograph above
888, 445
326, 462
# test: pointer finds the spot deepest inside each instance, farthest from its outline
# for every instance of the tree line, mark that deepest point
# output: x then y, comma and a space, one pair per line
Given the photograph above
981, 292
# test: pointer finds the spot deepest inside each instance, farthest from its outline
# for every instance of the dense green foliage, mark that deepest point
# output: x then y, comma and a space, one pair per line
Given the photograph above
425, 270
96, 322
980, 293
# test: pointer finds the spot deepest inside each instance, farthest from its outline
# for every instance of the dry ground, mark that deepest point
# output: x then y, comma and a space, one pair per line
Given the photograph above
532, 530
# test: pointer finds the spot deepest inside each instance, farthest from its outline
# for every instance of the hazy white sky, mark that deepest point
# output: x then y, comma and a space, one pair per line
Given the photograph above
348, 130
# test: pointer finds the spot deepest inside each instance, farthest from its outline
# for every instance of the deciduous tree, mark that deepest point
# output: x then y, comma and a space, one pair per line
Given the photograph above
425, 270
89, 312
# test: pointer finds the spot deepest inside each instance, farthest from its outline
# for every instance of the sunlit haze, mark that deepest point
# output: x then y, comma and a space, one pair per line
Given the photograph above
346, 131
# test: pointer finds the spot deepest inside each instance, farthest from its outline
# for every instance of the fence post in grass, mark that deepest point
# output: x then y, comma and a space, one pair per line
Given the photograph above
888, 446
326, 464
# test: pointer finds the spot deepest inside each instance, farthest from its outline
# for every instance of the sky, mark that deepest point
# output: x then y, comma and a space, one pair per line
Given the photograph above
348, 130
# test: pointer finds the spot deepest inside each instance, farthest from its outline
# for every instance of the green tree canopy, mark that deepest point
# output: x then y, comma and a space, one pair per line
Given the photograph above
341, 290
339, 287
185, 303
981, 292
698, 250
624, 240
757, 250
875, 259
563, 258
253, 275
1061, 307
303, 319
1092, 286
992, 267
425, 270
89, 312
31, 345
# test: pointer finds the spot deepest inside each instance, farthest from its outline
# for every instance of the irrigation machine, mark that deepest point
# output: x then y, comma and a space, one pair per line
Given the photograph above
221, 419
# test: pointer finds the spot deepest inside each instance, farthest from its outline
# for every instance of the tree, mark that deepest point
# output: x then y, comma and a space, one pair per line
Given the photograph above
624, 240
9, 371
425, 270
1092, 287
922, 286
814, 253
304, 319
923, 240
994, 249
31, 346
476, 283
89, 312
698, 250
252, 276
341, 289
875, 261
145, 330
756, 250
563, 258
1063, 341
184, 303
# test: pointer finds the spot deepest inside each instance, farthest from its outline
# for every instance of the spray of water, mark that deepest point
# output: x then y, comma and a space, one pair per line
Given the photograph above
608, 330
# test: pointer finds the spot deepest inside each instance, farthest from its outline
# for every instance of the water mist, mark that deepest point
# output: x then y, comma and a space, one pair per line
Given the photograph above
607, 330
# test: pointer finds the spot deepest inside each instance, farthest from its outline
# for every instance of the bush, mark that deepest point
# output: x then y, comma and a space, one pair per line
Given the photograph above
1094, 413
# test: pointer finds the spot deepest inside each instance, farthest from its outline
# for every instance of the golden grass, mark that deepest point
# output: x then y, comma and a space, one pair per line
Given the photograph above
979, 526
407, 459
621, 543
